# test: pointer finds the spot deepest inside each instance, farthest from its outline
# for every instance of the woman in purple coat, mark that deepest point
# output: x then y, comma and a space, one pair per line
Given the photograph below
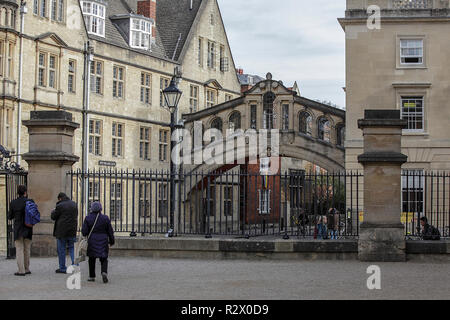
101, 237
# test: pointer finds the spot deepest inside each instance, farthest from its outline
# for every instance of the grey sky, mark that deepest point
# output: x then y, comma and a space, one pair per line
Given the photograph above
296, 40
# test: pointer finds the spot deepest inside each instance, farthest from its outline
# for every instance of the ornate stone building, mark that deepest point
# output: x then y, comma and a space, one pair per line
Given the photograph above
136, 45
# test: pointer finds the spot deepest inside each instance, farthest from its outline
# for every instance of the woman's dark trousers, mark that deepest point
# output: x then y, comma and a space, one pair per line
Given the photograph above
103, 261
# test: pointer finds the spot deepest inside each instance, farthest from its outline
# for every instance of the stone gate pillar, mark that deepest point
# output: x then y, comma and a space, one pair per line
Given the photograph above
382, 236
49, 158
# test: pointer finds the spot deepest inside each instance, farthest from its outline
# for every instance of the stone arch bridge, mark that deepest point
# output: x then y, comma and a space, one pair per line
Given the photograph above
308, 130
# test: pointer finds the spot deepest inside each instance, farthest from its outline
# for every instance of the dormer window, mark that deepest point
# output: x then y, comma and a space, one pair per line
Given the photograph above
94, 17
140, 33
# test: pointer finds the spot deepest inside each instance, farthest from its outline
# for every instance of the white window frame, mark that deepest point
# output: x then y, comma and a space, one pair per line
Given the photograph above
417, 97
94, 15
143, 33
402, 56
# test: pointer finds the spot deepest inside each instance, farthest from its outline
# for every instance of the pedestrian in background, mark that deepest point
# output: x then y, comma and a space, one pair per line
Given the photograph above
99, 227
65, 216
322, 228
333, 223
23, 235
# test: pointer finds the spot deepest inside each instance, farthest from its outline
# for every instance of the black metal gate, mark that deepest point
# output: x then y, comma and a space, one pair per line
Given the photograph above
12, 181
11, 176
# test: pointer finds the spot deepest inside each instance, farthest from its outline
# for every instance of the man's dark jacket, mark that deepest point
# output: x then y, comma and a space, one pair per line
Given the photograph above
17, 212
65, 216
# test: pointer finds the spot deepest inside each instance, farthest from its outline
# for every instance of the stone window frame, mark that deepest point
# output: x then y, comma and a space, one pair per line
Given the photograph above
194, 98
211, 97
47, 70
40, 8
400, 65
6, 117
2, 57
98, 135
200, 52
223, 60
119, 78
163, 200
163, 148
304, 115
57, 15
253, 110
319, 130
164, 82
115, 138
97, 76
143, 141
145, 199
146, 88
94, 191
228, 200
285, 113
9, 70
116, 196
72, 76
212, 53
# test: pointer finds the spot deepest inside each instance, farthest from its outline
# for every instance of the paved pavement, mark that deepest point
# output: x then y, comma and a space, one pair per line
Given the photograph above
156, 279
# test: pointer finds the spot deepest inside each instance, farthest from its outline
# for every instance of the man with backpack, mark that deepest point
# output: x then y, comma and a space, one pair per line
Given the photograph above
65, 216
428, 231
23, 233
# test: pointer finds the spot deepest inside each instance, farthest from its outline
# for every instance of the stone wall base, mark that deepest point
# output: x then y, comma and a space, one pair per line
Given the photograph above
382, 244
43, 246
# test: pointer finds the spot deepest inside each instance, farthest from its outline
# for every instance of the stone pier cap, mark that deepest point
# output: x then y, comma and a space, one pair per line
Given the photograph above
383, 130
51, 134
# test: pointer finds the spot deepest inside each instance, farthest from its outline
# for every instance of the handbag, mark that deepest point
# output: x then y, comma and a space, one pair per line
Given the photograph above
83, 245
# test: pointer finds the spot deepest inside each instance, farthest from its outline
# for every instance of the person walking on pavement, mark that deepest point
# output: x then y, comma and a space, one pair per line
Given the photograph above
333, 223
23, 235
99, 227
65, 216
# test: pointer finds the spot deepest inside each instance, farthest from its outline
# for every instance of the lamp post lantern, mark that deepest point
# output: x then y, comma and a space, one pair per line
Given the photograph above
172, 96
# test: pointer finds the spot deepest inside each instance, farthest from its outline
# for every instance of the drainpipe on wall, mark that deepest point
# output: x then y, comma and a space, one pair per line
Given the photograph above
23, 11
88, 57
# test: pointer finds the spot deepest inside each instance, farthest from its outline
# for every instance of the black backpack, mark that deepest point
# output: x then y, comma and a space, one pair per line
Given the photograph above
435, 234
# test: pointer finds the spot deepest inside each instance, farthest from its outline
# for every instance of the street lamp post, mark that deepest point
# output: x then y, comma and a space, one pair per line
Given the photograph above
172, 97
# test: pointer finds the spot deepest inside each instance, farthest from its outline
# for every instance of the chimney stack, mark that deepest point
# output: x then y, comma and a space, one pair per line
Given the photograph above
147, 8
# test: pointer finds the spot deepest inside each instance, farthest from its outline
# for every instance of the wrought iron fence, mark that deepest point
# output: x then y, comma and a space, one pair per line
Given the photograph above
235, 203
425, 194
